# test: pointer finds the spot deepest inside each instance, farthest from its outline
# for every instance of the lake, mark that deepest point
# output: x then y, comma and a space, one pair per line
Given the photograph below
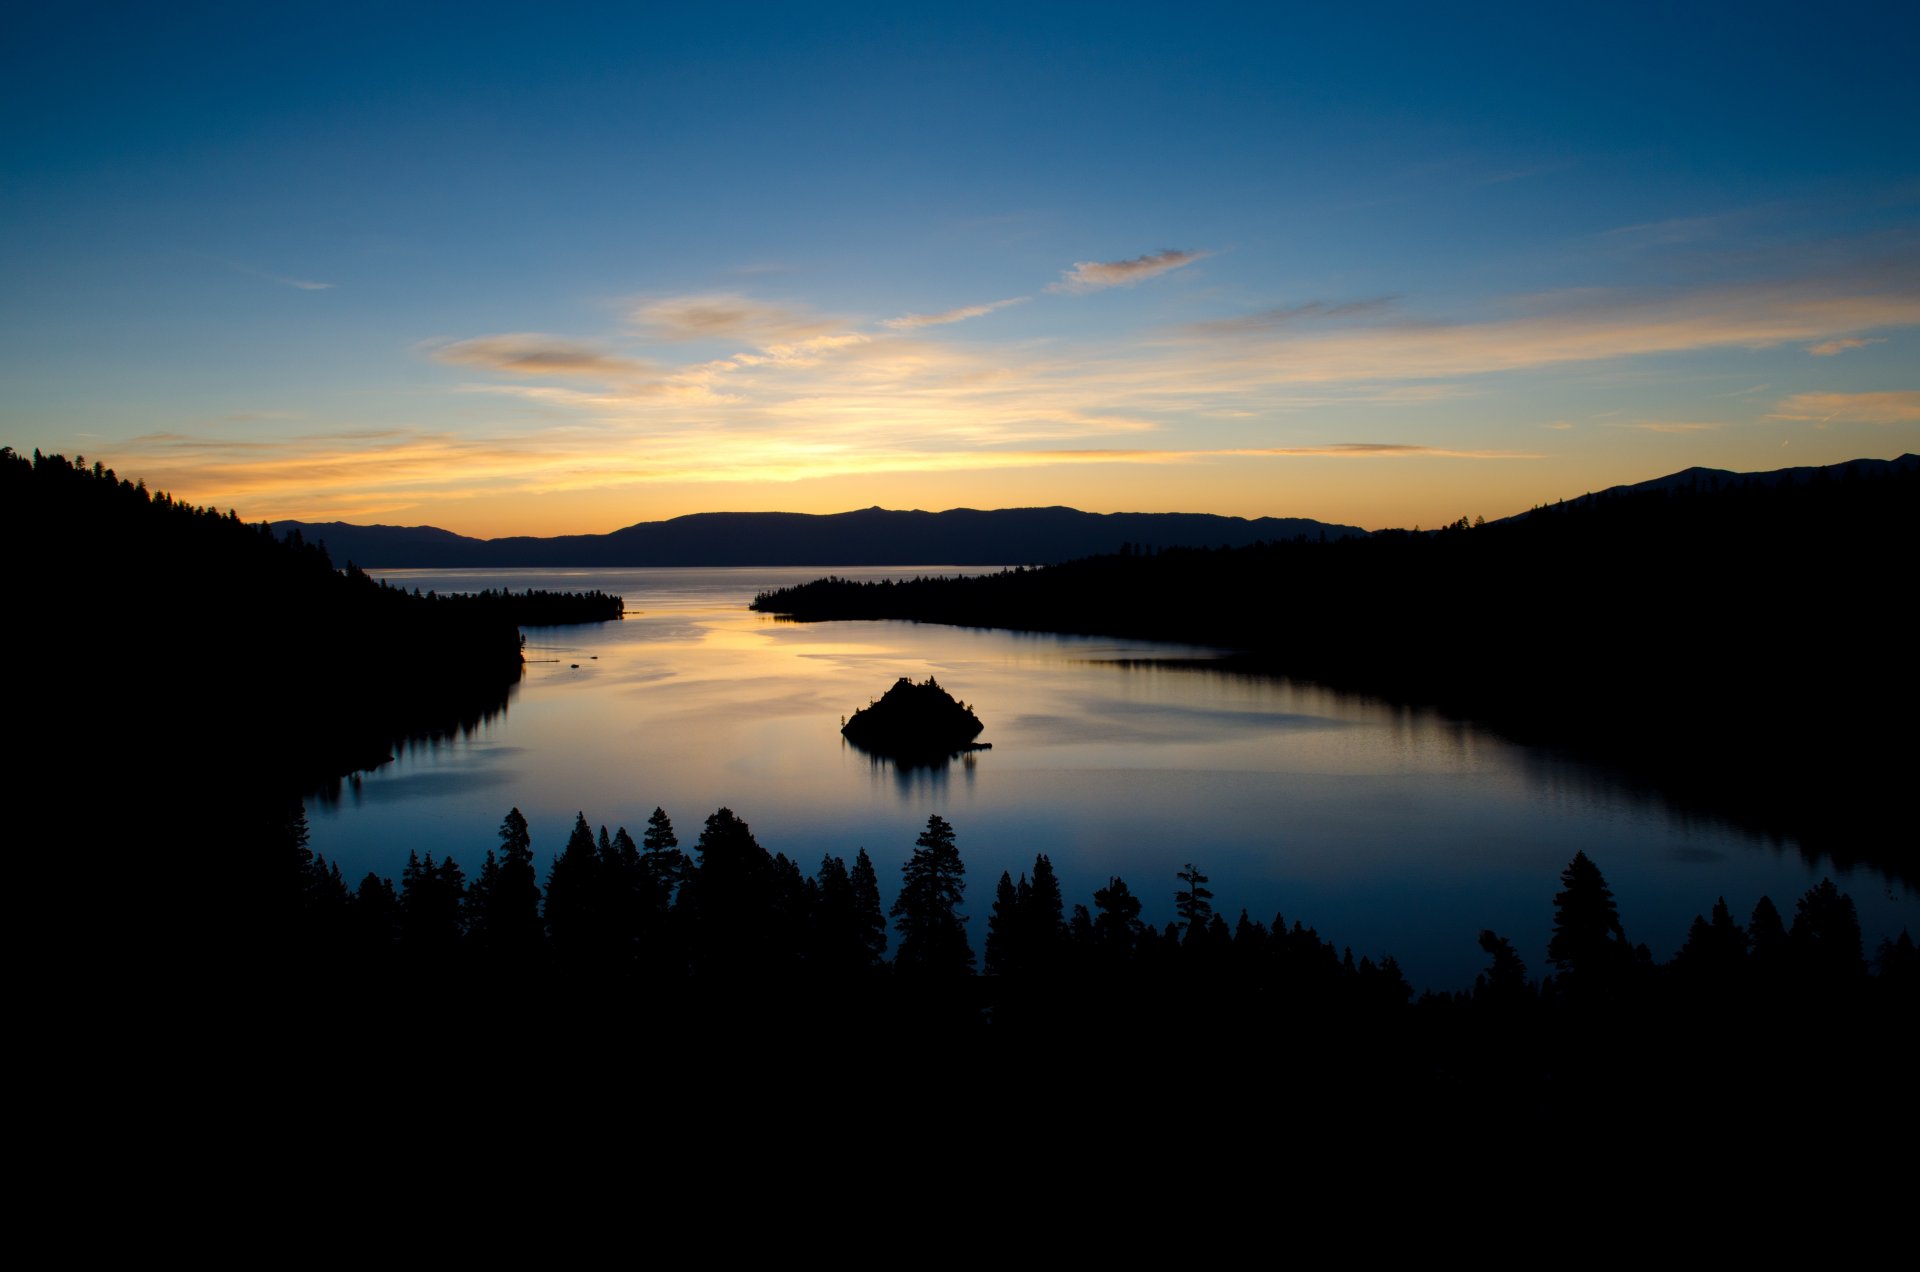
1391, 830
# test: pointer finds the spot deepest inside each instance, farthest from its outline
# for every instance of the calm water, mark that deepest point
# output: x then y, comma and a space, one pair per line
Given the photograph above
1390, 830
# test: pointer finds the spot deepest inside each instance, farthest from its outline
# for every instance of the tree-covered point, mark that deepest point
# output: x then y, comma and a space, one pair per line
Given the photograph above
536, 607
261, 654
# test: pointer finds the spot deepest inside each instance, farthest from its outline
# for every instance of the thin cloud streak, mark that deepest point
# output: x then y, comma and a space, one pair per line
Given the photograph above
911, 322
1090, 276
530, 353
1268, 320
728, 316
1584, 328
1828, 348
1853, 408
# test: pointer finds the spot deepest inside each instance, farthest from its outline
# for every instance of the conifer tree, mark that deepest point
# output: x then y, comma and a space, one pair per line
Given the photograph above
727, 899
933, 935
1043, 926
1003, 934
1588, 941
1825, 937
513, 925
871, 922
664, 861
1193, 902
571, 887
1117, 931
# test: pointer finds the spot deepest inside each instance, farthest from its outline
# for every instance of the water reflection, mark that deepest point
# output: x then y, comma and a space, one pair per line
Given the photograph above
915, 780
1390, 828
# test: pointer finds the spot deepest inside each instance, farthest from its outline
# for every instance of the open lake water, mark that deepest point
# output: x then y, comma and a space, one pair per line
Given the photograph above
1391, 830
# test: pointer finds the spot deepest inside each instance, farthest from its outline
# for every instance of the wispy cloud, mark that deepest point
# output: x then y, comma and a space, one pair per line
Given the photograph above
1089, 276
1585, 326
726, 316
1311, 311
910, 322
268, 276
533, 354
1852, 408
1828, 348
792, 394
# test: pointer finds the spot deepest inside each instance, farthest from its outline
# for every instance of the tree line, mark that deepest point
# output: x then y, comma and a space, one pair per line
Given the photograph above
730, 914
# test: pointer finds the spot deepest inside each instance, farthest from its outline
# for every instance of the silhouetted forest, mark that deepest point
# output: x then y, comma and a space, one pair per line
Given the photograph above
1743, 645
732, 939
534, 607
180, 675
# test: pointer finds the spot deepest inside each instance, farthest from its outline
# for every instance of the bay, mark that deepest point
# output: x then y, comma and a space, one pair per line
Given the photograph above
1390, 829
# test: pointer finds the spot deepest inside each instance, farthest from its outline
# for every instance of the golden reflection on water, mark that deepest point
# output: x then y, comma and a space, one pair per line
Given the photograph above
1390, 828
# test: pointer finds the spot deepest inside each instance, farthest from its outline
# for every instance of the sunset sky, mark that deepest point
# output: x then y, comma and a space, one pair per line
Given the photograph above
523, 269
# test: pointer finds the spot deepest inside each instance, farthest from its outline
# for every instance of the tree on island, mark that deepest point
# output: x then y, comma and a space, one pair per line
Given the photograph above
933, 934
914, 723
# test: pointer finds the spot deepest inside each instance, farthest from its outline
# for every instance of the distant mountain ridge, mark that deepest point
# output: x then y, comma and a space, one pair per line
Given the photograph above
870, 536
879, 536
1712, 479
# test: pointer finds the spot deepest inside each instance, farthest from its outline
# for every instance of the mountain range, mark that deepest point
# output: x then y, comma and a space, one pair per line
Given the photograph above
880, 536
870, 536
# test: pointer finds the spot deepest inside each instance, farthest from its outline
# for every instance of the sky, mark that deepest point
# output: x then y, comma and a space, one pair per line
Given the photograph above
564, 268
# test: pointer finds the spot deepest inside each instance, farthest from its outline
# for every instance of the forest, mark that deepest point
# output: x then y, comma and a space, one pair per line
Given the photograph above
731, 940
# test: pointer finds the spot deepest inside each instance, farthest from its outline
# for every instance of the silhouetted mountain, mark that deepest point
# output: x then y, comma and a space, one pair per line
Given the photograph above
1712, 480
871, 536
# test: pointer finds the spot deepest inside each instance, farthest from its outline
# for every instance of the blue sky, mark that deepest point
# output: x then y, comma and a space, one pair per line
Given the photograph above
518, 271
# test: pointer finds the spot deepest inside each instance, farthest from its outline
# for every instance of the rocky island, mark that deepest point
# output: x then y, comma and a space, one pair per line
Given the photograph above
915, 723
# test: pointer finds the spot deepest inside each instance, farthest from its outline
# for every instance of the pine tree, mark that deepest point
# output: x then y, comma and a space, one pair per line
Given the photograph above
513, 925
1504, 984
872, 924
1043, 922
1003, 935
1825, 937
727, 899
1588, 942
1117, 931
933, 935
572, 884
663, 861
1194, 903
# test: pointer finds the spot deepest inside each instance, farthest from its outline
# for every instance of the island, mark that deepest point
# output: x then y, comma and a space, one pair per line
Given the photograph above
915, 723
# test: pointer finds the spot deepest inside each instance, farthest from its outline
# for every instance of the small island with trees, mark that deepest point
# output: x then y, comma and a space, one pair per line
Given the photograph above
915, 724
